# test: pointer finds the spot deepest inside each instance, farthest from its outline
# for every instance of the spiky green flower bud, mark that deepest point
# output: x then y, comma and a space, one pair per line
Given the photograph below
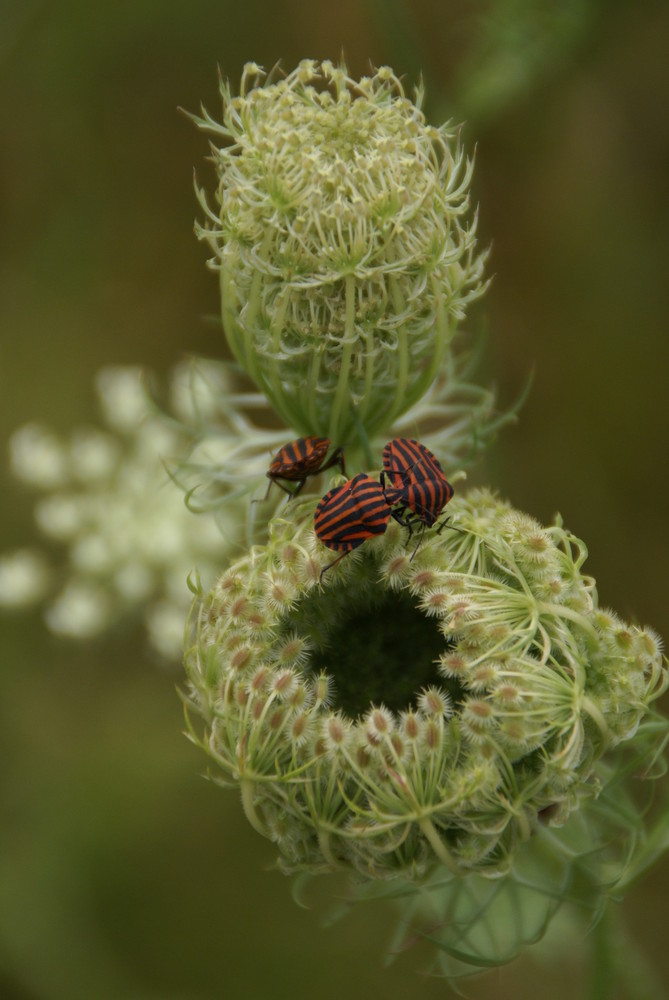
452, 700
345, 244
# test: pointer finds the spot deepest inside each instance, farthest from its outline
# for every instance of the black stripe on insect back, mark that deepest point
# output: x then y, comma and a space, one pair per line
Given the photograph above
299, 459
426, 498
351, 513
417, 479
406, 460
417, 484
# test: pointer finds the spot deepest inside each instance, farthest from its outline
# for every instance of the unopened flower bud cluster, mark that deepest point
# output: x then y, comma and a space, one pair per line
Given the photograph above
345, 242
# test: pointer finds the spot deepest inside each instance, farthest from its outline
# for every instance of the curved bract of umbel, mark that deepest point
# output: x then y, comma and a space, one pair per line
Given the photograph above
345, 241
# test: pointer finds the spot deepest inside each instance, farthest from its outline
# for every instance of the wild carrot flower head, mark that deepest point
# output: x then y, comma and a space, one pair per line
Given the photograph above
342, 231
475, 688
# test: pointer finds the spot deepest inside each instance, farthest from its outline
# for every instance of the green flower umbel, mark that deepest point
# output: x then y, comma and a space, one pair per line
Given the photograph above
414, 711
345, 243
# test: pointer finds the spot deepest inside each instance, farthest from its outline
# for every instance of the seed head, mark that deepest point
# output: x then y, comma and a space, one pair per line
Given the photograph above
435, 702
379, 724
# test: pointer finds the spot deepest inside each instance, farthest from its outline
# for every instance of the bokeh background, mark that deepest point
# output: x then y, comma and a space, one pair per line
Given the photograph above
122, 873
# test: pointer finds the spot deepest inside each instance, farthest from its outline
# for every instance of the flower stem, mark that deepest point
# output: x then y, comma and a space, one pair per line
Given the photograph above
618, 962
248, 792
437, 845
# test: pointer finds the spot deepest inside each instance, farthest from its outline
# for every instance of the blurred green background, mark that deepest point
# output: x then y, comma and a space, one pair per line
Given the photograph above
122, 872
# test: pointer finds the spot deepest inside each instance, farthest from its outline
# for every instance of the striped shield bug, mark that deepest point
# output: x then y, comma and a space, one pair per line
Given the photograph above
299, 459
350, 514
417, 483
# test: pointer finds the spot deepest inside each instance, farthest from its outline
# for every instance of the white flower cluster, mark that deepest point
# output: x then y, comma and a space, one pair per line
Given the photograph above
129, 539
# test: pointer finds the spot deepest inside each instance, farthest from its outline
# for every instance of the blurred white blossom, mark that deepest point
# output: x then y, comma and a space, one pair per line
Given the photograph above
164, 622
24, 578
123, 397
80, 611
38, 458
127, 539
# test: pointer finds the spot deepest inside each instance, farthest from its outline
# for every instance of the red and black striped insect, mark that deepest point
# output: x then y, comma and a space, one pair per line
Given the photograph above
417, 484
299, 459
350, 514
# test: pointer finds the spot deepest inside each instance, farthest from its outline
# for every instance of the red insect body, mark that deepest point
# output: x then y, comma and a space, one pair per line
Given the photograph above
299, 459
405, 457
350, 514
417, 480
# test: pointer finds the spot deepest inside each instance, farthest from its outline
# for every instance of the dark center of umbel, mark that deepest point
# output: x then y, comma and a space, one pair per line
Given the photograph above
376, 645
